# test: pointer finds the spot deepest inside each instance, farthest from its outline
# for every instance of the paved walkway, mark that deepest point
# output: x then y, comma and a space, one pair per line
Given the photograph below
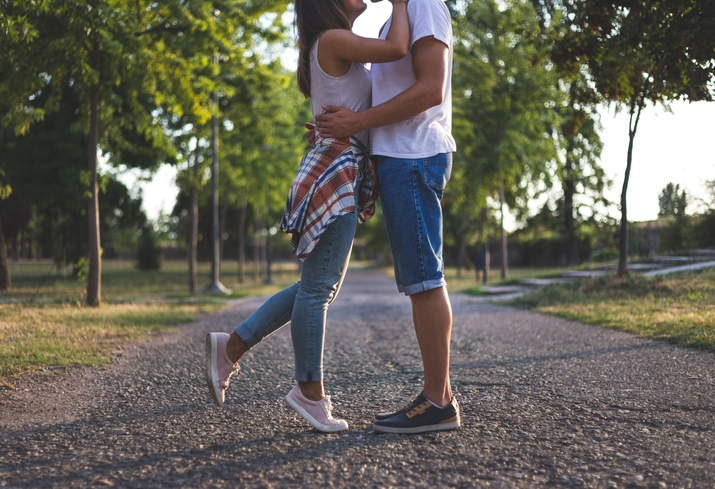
508, 292
545, 403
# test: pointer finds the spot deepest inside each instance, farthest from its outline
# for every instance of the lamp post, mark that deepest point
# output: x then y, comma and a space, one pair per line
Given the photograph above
215, 286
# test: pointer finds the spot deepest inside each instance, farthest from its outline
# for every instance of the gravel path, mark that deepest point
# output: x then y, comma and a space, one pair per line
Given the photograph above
545, 403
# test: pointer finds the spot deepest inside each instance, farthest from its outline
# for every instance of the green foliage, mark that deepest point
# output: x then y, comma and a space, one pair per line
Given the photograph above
150, 64
261, 128
57, 190
671, 201
655, 48
604, 255
5, 190
504, 93
374, 235
701, 232
710, 192
148, 251
634, 53
81, 269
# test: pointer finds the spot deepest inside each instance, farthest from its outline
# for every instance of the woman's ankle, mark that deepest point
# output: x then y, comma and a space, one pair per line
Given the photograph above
312, 390
235, 348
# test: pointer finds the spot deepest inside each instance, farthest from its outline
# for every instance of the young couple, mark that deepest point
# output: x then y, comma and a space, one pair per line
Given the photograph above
401, 110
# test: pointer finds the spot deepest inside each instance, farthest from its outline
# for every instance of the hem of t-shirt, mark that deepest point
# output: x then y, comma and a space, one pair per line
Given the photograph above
413, 156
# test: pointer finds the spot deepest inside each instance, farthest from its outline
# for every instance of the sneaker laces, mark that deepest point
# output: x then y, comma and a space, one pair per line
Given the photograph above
327, 407
224, 382
411, 404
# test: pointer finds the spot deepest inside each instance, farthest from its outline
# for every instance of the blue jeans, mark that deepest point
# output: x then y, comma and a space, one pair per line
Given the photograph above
411, 194
305, 303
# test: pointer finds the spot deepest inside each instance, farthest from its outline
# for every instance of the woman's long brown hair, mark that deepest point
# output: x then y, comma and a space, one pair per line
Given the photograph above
312, 18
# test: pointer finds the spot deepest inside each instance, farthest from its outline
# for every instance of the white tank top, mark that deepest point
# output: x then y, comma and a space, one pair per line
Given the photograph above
352, 90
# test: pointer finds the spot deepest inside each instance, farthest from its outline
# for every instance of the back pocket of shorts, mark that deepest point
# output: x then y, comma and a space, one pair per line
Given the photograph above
437, 170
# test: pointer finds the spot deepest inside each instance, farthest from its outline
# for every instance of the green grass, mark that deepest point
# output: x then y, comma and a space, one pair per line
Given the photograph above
121, 281
679, 308
34, 336
52, 327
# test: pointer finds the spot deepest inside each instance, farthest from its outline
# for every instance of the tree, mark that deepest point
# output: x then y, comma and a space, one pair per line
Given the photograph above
56, 148
638, 52
5, 281
148, 251
129, 64
671, 201
261, 143
578, 166
16, 217
264, 150
504, 96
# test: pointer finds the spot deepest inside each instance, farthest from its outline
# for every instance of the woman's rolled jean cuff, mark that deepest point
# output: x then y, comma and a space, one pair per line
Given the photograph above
246, 332
422, 286
308, 376
246, 336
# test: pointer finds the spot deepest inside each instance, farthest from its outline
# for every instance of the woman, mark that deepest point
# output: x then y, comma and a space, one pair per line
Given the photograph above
323, 206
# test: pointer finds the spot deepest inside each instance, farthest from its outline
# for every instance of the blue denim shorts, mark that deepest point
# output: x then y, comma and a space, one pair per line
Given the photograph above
411, 193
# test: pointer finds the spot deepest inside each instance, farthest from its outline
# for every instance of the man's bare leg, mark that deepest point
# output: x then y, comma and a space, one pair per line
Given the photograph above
432, 316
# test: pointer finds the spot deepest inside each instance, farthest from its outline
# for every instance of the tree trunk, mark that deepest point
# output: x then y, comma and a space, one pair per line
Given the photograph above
242, 238
193, 240
486, 262
264, 249
463, 260
78, 251
460, 259
569, 225
269, 260
15, 248
256, 249
268, 251
504, 250
482, 239
215, 248
637, 104
194, 226
222, 225
5, 282
623, 245
95, 256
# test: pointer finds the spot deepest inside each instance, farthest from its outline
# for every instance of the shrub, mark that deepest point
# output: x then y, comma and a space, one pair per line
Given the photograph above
148, 251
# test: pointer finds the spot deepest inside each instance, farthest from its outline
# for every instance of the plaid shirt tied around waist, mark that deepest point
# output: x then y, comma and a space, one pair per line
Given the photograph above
324, 189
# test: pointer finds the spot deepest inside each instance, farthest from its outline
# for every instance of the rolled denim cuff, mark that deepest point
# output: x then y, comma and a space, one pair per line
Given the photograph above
422, 286
245, 335
308, 376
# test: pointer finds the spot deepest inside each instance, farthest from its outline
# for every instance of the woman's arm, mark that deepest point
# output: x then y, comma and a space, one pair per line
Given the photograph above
430, 61
338, 47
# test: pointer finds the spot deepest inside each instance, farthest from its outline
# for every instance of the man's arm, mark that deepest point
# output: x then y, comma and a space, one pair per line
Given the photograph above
429, 61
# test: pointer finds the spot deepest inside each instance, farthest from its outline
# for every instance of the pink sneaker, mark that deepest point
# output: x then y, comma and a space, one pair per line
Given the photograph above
317, 413
218, 367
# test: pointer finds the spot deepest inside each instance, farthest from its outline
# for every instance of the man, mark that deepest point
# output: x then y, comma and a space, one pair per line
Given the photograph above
411, 121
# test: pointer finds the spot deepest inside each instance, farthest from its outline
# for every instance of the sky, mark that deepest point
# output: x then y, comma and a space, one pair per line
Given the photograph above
676, 147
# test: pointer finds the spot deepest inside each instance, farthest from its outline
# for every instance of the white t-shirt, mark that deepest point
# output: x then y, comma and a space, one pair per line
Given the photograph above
430, 132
